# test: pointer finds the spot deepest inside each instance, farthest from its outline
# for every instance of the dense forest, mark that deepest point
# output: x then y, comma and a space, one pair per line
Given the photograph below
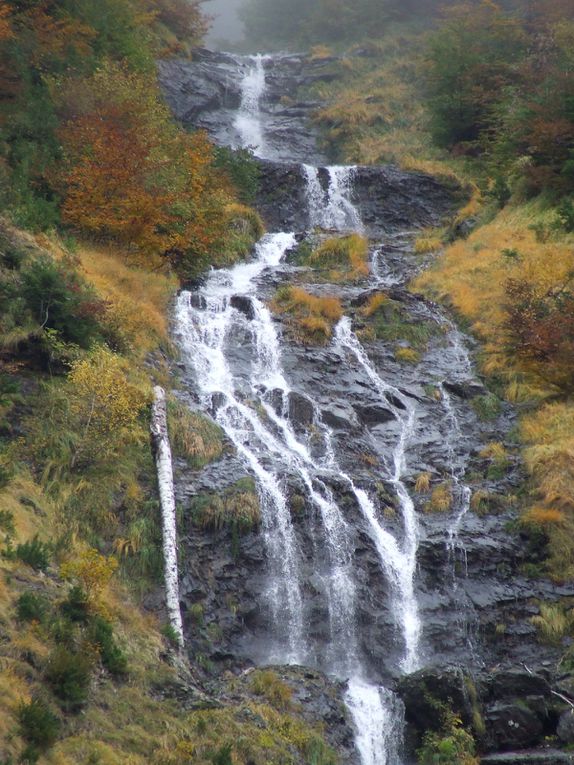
108, 206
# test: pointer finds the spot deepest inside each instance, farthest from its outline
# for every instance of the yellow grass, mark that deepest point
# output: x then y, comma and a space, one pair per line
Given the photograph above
407, 355
427, 243
423, 483
494, 451
472, 273
553, 623
348, 256
479, 500
312, 316
138, 299
374, 303
441, 498
543, 516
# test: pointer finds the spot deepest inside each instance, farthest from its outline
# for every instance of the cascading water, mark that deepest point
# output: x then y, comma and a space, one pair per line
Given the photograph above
398, 561
210, 327
332, 208
203, 338
248, 121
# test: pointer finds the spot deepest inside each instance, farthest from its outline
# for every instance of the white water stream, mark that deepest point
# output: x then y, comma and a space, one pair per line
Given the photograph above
331, 207
248, 121
209, 329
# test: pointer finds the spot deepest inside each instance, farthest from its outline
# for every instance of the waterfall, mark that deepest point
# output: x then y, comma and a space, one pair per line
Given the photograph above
378, 716
461, 492
265, 440
204, 335
248, 120
315, 196
399, 561
341, 213
332, 208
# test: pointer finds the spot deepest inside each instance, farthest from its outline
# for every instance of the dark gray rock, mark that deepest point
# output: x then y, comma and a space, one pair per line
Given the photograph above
512, 725
544, 757
372, 415
465, 389
244, 305
427, 693
301, 412
516, 683
565, 728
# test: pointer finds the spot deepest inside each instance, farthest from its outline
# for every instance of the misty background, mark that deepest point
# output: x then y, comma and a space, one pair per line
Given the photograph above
226, 24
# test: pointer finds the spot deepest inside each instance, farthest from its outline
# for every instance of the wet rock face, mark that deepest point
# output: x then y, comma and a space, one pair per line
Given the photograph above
194, 89
389, 199
516, 707
206, 92
474, 598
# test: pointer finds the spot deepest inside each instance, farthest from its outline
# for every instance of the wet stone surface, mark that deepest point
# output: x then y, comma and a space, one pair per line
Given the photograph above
346, 421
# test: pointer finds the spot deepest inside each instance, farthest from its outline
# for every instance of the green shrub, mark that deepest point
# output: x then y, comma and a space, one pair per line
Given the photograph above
68, 674
487, 407
62, 631
31, 607
6, 517
76, 607
102, 635
243, 171
565, 215
60, 300
170, 634
452, 746
222, 756
12, 257
39, 726
34, 553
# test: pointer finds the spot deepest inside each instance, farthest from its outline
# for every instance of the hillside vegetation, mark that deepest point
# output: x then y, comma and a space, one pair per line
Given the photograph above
106, 205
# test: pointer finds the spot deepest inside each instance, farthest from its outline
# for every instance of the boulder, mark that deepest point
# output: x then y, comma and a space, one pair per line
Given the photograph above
374, 415
427, 693
511, 725
244, 305
340, 417
301, 412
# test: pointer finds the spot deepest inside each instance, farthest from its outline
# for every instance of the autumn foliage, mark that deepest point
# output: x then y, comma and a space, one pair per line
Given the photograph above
130, 175
86, 140
5, 26
540, 328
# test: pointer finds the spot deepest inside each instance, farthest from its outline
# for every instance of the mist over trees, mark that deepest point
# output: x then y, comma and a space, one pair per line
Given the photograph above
274, 23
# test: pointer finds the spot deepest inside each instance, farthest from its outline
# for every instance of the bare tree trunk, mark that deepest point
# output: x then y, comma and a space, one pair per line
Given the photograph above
160, 439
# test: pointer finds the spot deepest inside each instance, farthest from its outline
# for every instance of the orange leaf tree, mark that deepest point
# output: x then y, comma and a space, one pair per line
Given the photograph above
5, 26
130, 175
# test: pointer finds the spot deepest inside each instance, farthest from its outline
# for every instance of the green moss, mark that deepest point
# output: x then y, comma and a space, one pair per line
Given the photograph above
390, 321
487, 407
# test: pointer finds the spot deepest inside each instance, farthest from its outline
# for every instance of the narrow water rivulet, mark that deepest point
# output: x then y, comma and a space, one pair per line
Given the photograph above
240, 366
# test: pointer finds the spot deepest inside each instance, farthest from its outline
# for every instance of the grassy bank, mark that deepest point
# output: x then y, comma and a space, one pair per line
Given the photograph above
86, 673
477, 276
